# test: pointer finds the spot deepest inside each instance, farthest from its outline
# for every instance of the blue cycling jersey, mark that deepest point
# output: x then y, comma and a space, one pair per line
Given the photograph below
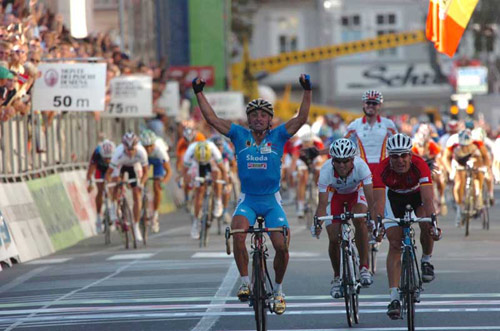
259, 166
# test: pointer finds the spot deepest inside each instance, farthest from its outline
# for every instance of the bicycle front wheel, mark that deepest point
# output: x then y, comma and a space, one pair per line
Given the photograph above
129, 221
347, 288
259, 292
144, 220
408, 288
107, 229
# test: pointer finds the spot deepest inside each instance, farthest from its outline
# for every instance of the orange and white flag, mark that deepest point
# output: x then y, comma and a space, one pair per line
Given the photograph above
446, 23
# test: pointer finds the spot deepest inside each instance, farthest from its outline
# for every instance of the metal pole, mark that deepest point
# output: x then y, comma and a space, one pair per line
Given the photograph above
121, 8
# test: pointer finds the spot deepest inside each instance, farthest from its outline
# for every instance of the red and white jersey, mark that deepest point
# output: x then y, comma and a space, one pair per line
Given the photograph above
371, 139
329, 181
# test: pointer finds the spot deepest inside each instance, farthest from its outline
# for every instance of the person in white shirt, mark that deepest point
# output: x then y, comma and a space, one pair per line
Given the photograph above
347, 178
371, 131
131, 158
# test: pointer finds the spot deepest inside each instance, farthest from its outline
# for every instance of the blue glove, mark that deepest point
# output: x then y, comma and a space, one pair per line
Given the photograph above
306, 82
198, 87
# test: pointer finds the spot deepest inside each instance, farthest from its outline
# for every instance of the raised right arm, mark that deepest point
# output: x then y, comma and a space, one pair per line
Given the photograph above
221, 125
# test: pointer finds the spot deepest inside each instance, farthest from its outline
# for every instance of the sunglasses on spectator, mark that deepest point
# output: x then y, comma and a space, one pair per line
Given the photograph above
34, 60
372, 103
18, 51
399, 155
344, 161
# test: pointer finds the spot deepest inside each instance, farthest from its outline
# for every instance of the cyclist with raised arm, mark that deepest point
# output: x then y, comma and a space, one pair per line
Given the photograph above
408, 181
204, 158
131, 158
259, 151
158, 157
346, 179
99, 164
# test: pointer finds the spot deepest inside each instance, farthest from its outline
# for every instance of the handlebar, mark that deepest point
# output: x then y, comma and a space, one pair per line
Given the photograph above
344, 216
229, 233
209, 180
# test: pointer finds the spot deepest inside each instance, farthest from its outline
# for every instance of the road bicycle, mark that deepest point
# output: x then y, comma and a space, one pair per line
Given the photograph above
349, 262
311, 201
107, 218
207, 207
261, 296
146, 214
124, 213
410, 285
470, 196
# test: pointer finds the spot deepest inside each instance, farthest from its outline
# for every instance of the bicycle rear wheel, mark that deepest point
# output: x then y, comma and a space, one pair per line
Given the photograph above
144, 220
259, 292
485, 212
346, 287
203, 231
469, 210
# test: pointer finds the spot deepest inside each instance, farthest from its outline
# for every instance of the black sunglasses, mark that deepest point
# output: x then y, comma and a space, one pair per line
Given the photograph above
341, 160
400, 155
372, 103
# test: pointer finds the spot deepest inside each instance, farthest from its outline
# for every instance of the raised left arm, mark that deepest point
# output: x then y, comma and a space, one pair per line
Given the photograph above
294, 124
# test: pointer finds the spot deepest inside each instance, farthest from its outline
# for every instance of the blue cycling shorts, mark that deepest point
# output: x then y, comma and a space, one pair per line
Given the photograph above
158, 170
268, 206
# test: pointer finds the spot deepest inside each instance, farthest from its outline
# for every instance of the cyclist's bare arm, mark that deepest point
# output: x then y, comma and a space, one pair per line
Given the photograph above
223, 170
144, 178
168, 170
486, 156
107, 177
322, 204
427, 195
221, 125
379, 201
448, 155
368, 190
294, 124
91, 171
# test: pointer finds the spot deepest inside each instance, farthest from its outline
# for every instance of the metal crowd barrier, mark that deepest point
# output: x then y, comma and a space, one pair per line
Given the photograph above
32, 146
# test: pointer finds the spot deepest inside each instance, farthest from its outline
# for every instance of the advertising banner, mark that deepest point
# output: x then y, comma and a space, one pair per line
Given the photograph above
472, 80
8, 249
70, 87
398, 78
170, 99
23, 222
56, 211
131, 96
227, 105
186, 74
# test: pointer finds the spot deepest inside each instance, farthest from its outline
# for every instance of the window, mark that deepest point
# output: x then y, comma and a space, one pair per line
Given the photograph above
351, 28
386, 24
287, 43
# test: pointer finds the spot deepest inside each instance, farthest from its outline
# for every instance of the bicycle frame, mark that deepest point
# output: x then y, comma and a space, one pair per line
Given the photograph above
207, 207
260, 297
349, 262
411, 279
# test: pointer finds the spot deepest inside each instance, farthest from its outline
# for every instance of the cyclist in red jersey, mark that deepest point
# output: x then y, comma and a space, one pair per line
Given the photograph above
408, 179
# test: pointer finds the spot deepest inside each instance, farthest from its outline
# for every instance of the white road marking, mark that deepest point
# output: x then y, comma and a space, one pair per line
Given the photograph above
136, 256
49, 261
21, 279
210, 255
227, 285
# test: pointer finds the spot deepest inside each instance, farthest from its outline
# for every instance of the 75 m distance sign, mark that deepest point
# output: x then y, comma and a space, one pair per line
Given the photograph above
70, 87
131, 96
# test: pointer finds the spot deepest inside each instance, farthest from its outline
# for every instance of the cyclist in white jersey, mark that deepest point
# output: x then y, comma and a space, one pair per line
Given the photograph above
160, 161
347, 178
371, 131
132, 158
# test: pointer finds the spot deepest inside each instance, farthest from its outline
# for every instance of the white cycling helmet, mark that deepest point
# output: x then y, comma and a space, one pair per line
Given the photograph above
372, 95
305, 133
107, 147
343, 148
479, 134
465, 137
130, 140
399, 143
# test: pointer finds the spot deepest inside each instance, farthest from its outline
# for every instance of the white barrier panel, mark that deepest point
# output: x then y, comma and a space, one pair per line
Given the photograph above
227, 105
70, 86
75, 185
8, 249
23, 220
131, 96
170, 99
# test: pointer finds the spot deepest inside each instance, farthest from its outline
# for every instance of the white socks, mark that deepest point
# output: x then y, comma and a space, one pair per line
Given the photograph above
245, 280
393, 291
426, 258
